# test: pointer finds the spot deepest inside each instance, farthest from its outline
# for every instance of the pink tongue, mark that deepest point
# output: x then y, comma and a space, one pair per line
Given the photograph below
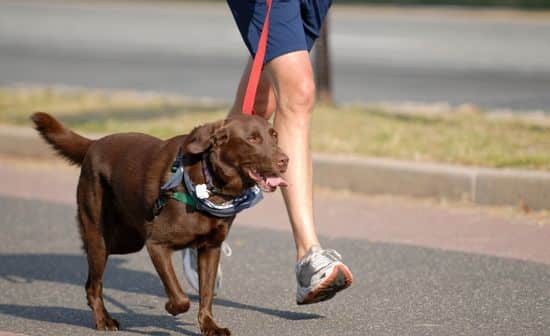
276, 181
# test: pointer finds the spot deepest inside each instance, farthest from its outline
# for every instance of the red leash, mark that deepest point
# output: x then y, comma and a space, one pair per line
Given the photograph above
257, 66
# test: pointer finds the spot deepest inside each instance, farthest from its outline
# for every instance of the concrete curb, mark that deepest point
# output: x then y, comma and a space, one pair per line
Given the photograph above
377, 176
479, 185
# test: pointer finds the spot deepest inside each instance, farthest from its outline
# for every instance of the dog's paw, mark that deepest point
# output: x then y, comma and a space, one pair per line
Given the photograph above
216, 332
209, 327
175, 308
107, 324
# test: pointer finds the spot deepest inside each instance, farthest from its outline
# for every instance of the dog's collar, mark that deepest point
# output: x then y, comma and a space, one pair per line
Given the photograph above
197, 195
209, 177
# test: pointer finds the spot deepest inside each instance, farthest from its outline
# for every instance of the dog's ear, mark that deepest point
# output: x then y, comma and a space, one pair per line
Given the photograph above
221, 136
202, 137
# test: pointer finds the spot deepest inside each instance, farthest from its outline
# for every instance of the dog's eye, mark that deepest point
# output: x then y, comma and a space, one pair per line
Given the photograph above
254, 138
273, 134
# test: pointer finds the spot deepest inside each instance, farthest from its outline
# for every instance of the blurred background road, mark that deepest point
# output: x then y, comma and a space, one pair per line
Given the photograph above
496, 59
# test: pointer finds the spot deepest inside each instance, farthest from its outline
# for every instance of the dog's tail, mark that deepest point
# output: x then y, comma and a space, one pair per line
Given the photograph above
67, 143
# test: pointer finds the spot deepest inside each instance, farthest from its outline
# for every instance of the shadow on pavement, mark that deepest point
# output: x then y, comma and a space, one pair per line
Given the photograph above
72, 269
398, 290
82, 318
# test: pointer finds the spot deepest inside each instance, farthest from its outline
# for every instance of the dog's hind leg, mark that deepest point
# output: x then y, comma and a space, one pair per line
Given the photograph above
91, 229
94, 289
161, 256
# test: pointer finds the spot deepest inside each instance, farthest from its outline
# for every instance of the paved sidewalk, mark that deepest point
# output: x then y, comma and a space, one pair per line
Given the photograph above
494, 231
399, 289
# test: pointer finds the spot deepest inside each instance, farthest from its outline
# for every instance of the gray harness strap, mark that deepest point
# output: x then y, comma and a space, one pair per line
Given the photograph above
247, 199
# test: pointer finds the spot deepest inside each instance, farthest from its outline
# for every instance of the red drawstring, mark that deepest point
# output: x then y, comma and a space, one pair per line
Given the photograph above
257, 65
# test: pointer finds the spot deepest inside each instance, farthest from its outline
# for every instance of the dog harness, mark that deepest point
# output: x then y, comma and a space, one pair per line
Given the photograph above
196, 196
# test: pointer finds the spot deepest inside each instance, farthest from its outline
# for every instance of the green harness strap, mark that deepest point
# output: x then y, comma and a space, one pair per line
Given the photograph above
184, 198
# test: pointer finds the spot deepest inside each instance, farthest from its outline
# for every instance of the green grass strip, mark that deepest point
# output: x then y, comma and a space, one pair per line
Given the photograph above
458, 136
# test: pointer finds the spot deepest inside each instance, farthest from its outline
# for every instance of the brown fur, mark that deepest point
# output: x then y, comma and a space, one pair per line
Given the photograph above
120, 179
67, 143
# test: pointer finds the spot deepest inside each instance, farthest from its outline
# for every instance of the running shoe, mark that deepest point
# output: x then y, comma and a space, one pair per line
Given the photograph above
320, 275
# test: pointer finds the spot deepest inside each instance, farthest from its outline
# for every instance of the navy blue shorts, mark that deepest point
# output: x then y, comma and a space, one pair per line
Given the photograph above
294, 24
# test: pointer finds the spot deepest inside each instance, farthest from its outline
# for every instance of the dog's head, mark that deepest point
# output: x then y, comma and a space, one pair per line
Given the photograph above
243, 152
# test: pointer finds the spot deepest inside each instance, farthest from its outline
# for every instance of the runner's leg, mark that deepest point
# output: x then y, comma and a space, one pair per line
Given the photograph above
287, 84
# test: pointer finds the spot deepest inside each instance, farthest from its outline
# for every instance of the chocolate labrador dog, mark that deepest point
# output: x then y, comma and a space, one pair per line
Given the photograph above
120, 182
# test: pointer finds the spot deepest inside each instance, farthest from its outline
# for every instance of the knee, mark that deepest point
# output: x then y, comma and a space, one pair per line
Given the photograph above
299, 100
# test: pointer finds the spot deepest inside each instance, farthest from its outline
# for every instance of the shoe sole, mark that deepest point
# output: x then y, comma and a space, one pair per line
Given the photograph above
340, 278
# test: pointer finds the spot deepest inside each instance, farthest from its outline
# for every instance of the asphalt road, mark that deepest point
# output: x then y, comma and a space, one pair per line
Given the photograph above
399, 289
492, 59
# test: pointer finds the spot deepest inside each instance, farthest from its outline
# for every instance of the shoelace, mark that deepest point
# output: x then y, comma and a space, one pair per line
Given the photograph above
332, 253
321, 258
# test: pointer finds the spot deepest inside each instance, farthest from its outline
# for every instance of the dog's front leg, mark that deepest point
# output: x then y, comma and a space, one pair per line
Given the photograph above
209, 257
161, 256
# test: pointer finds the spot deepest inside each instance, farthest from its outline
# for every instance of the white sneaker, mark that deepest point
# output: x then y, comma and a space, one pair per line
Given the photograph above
320, 275
190, 267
